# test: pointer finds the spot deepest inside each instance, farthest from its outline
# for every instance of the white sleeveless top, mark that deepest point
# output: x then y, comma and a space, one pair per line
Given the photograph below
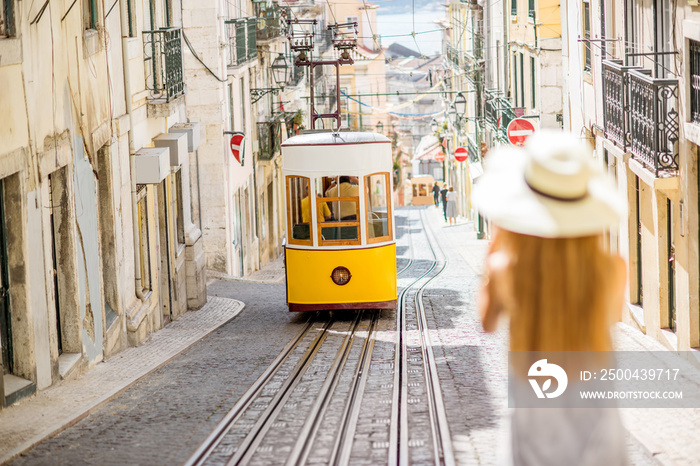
567, 436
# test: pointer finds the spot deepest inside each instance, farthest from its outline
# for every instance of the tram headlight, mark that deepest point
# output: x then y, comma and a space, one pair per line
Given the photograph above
340, 275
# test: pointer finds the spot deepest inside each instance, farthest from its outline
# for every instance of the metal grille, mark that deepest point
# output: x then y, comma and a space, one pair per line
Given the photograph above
654, 121
163, 58
695, 81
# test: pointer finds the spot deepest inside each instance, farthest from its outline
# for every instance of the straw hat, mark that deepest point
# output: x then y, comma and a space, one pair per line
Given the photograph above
550, 188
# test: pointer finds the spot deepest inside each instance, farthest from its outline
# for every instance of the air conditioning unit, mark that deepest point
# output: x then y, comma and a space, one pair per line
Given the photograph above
176, 143
151, 165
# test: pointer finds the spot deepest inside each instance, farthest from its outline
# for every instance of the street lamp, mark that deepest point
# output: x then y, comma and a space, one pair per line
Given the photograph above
280, 73
452, 115
434, 126
460, 104
280, 70
380, 127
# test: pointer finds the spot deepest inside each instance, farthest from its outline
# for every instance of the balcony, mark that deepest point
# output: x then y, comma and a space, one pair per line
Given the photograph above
297, 75
269, 139
162, 50
472, 149
654, 122
453, 56
242, 40
499, 113
269, 24
641, 115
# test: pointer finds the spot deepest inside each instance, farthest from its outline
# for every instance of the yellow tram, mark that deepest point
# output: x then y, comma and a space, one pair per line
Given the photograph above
344, 255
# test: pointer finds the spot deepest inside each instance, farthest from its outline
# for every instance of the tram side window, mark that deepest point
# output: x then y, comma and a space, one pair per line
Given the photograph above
299, 207
376, 191
341, 194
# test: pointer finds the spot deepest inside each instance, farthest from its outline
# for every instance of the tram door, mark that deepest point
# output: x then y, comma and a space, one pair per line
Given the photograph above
5, 321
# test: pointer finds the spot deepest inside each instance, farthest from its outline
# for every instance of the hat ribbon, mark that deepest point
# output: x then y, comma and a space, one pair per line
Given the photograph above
552, 196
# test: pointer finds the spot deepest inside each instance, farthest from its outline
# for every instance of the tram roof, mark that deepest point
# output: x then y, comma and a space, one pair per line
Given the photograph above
328, 138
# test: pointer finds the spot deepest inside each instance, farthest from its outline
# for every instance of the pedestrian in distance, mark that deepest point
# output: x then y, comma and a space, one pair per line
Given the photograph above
436, 194
443, 197
547, 270
451, 209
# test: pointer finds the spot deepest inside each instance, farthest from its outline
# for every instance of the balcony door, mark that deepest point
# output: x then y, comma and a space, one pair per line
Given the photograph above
663, 38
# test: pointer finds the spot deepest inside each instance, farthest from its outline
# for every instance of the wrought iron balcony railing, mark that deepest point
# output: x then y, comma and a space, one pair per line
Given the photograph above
453, 55
269, 25
473, 151
242, 40
641, 115
269, 139
162, 51
499, 113
297, 75
654, 121
616, 102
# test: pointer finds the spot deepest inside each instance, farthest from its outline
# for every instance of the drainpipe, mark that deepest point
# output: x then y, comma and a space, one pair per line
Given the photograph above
130, 134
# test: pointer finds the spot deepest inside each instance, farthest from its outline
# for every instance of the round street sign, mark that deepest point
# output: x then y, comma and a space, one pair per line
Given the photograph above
519, 130
440, 156
461, 154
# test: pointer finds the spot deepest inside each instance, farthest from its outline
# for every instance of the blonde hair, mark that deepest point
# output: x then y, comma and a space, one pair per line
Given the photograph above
557, 292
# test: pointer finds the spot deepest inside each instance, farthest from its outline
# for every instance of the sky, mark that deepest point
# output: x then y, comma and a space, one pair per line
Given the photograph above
396, 17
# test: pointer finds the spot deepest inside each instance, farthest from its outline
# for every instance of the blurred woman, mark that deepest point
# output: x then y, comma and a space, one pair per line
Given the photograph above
451, 209
548, 271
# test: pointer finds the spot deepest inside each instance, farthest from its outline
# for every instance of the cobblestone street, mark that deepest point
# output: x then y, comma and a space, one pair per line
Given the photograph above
166, 414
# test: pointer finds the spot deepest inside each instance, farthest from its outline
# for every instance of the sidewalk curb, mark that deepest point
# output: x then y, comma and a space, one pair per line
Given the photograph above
161, 337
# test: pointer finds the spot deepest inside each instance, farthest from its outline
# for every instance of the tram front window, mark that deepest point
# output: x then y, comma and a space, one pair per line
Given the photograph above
377, 206
342, 196
299, 209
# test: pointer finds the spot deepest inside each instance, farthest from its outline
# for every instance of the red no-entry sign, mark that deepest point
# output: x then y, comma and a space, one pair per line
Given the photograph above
440, 156
461, 154
519, 130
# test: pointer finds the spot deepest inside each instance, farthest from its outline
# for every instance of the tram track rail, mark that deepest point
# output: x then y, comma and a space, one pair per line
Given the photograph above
216, 450
399, 436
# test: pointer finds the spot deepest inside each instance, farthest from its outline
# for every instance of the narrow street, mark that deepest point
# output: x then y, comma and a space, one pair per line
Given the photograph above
165, 416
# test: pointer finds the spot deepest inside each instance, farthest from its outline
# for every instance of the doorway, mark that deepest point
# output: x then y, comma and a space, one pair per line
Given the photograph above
5, 314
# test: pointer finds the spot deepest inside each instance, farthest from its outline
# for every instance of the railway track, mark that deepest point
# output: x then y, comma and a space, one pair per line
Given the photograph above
309, 401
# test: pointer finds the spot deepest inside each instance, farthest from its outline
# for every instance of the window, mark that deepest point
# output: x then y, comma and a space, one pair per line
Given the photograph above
299, 210
514, 7
243, 100
531, 8
178, 210
515, 79
378, 213
586, 36
7, 18
533, 85
144, 242
341, 225
131, 17
522, 80
231, 108
91, 13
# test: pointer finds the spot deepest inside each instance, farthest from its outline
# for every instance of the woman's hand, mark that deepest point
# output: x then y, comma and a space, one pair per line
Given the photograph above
489, 303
